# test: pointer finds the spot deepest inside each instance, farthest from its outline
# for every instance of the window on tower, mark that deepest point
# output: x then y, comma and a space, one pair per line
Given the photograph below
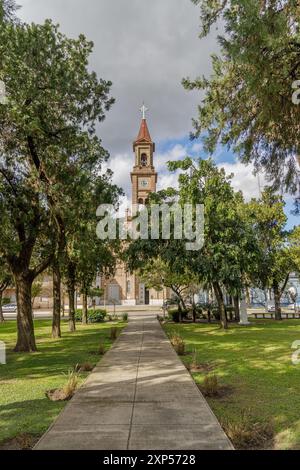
144, 159
141, 201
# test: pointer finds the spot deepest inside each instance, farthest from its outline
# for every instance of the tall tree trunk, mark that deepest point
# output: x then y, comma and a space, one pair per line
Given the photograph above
71, 296
277, 297
63, 302
56, 331
208, 315
1, 313
25, 327
221, 306
236, 305
84, 306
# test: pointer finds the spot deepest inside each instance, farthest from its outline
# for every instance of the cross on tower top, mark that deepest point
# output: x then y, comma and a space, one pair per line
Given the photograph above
143, 111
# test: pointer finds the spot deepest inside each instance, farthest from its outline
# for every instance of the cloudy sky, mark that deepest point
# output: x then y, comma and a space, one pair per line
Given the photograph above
145, 48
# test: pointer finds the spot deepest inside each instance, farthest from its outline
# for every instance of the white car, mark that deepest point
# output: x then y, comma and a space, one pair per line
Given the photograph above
9, 308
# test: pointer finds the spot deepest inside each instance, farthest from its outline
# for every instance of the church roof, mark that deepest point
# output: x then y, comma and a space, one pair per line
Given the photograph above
144, 134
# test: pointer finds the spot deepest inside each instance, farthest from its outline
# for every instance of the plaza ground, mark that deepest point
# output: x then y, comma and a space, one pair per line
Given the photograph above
24, 407
140, 397
255, 364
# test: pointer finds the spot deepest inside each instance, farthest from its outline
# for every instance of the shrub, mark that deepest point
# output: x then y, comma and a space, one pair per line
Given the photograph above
178, 344
71, 385
94, 316
68, 390
101, 349
174, 314
86, 367
125, 316
248, 434
113, 333
194, 361
210, 386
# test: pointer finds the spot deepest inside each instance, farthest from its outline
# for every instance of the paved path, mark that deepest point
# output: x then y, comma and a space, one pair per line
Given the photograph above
140, 396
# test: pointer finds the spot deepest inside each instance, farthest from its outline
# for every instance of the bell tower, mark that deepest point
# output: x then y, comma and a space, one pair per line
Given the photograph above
143, 175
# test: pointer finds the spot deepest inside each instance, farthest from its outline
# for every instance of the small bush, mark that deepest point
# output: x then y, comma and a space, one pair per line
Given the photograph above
71, 385
125, 316
178, 344
113, 333
6, 300
174, 315
210, 386
101, 349
86, 367
94, 316
247, 434
68, 390
194, 361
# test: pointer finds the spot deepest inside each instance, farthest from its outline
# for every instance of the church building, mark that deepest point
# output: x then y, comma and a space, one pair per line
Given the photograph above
126, 288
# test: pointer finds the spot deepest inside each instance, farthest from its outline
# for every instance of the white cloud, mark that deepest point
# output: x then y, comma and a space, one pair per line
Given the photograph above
244, 180
145, 48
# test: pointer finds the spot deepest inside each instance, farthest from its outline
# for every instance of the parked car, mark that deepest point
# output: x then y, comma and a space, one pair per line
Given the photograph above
9, 308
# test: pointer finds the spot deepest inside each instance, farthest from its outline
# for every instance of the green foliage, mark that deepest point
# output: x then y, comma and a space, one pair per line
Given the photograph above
51, 156
174, 314
5, 300
248, 97
94, 316
125, 316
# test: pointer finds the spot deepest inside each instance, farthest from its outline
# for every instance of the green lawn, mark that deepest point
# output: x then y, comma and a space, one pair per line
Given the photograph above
256, 362
25, 378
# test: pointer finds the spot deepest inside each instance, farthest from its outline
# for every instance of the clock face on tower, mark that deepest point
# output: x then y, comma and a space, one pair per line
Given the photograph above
144, 183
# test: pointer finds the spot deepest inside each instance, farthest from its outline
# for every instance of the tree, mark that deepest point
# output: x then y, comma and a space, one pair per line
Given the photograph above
47, 145
84, 254
8, 10
274, 262
157, 274
248, 98
228, 242
224, 258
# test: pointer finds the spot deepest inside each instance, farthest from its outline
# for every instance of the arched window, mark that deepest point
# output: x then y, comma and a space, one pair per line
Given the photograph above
141, 201
128, 287
144, 159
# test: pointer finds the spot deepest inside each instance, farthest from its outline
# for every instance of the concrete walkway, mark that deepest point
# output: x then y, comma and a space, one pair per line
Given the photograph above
140, 396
